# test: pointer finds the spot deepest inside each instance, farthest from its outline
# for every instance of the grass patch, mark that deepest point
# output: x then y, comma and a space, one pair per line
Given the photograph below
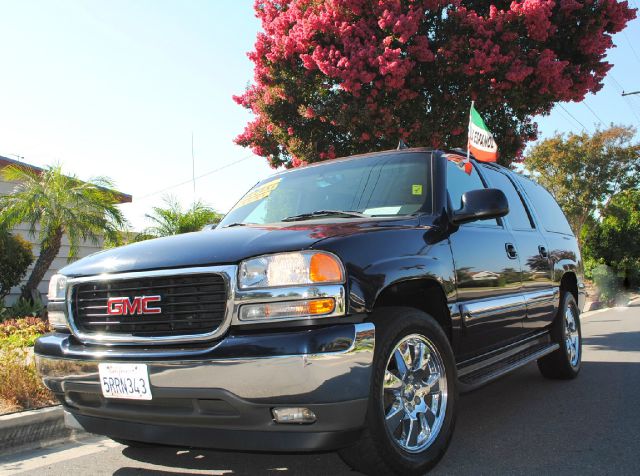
21, 387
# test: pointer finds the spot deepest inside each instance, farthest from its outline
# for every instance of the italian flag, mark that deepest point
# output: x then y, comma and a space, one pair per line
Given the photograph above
481, 143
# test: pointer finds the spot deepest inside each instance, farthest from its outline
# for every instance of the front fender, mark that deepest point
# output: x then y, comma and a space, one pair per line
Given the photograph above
377, 260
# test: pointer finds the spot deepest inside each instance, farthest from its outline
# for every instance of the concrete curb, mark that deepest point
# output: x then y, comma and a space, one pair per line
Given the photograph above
587, 314
32, 429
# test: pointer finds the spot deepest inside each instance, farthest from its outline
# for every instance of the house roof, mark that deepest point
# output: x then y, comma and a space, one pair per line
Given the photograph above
5, 162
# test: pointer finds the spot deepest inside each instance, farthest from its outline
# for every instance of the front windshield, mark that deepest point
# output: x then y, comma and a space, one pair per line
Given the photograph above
387, 185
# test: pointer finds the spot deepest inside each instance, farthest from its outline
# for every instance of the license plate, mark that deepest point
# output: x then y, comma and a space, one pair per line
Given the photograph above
125, 381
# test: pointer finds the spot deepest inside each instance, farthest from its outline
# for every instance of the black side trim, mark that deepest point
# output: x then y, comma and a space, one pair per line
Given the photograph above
482, 370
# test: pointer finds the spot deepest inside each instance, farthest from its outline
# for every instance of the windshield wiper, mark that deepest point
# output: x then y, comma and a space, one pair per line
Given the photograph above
323, 213
238, 224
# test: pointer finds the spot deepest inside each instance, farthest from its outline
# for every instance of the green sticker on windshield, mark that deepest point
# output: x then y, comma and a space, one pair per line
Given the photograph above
416, 189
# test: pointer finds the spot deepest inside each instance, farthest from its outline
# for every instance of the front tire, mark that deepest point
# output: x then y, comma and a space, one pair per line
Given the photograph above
413, 400
564, 363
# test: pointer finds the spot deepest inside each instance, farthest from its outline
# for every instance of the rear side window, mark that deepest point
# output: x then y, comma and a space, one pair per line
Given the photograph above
518, 215
459, 182
546, 207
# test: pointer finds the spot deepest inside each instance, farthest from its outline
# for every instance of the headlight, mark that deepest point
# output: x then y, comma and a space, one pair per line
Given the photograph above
291, 269
57, 287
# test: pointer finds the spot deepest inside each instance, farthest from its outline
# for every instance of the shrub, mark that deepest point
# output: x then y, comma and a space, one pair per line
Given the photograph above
22, 332
606, 281
20, 384
25, 308
15, 258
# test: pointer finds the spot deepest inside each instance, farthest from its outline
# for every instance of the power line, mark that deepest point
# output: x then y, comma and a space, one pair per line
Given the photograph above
195, 178
566, 118
593, 112
625, 99
630, 104
620, 88
193, 167
631, 46
572, 117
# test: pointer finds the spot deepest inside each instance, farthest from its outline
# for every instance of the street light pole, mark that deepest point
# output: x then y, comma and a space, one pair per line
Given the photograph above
629, 94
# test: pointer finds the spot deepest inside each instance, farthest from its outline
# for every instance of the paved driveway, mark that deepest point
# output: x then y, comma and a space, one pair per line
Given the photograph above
522, 425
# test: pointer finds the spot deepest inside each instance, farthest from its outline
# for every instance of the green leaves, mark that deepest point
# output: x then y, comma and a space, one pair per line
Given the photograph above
15, 258
174, 220
584, 171
53, 205
616, 238
50, 202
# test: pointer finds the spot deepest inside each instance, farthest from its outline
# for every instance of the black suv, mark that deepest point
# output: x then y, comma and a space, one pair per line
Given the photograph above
343, 305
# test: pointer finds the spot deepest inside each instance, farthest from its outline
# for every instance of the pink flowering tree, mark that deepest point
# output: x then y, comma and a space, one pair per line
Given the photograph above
337, 77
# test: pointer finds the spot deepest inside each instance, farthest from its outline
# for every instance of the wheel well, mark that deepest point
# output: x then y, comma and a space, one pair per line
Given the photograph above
423, 294
569, 283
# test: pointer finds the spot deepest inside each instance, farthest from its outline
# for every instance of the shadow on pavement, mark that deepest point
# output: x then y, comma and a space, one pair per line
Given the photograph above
618, 341
522, 424
230, 462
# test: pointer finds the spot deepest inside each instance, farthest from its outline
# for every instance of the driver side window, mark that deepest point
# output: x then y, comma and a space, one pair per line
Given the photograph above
459, 182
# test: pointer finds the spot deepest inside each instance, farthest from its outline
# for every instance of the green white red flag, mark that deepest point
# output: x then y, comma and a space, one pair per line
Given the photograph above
481, 143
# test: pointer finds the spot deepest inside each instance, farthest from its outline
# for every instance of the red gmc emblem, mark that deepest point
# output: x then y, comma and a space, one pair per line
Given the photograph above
123, 306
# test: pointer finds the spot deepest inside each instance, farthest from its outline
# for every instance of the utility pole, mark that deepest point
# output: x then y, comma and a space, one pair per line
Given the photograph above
629, 94
193, 168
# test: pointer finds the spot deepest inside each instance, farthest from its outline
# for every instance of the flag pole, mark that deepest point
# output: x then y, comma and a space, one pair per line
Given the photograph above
469, 129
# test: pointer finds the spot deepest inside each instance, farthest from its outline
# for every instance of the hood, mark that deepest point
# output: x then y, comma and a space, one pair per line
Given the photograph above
219, 246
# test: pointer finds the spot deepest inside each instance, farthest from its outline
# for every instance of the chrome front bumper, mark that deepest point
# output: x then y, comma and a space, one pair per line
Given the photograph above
317, 376
222, 397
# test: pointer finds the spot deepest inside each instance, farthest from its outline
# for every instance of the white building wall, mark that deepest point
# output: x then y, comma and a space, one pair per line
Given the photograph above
61, 260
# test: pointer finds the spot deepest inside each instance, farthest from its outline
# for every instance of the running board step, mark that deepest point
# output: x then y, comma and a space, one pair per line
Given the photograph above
472, 379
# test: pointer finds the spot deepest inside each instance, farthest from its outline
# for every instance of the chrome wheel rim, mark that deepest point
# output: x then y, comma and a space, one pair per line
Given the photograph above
414, 393
571, 337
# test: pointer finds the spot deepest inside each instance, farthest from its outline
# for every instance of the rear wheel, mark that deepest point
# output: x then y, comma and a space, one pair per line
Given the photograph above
412, 406
565, 362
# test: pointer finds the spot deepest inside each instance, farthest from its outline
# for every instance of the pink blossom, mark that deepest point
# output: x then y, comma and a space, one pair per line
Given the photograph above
408, 68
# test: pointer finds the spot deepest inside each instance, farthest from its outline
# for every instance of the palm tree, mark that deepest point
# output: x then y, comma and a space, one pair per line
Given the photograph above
174, 220
53, 204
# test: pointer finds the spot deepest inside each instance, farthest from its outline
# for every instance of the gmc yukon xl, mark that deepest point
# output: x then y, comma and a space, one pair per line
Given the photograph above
340, 306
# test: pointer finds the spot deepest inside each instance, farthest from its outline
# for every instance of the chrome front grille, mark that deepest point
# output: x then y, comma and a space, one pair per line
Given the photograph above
186, 305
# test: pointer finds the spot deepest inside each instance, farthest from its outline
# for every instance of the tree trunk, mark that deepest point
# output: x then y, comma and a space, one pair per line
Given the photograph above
49, 249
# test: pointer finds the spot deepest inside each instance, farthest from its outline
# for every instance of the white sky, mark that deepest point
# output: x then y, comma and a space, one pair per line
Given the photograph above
116, 88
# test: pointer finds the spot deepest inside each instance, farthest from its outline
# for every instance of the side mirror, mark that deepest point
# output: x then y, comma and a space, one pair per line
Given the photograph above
481, 204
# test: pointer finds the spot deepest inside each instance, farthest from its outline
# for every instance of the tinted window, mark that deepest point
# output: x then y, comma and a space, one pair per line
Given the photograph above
459, 182
381, 185
546, 207
518, 216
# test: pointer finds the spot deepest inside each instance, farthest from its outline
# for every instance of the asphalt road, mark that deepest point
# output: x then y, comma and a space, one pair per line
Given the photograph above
519, 425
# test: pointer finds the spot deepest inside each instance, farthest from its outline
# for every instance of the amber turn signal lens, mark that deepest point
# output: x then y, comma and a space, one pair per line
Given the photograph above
321, 306
325, 269
288, 309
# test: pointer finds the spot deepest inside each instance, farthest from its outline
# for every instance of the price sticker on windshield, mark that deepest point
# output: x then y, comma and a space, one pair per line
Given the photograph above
258, 193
